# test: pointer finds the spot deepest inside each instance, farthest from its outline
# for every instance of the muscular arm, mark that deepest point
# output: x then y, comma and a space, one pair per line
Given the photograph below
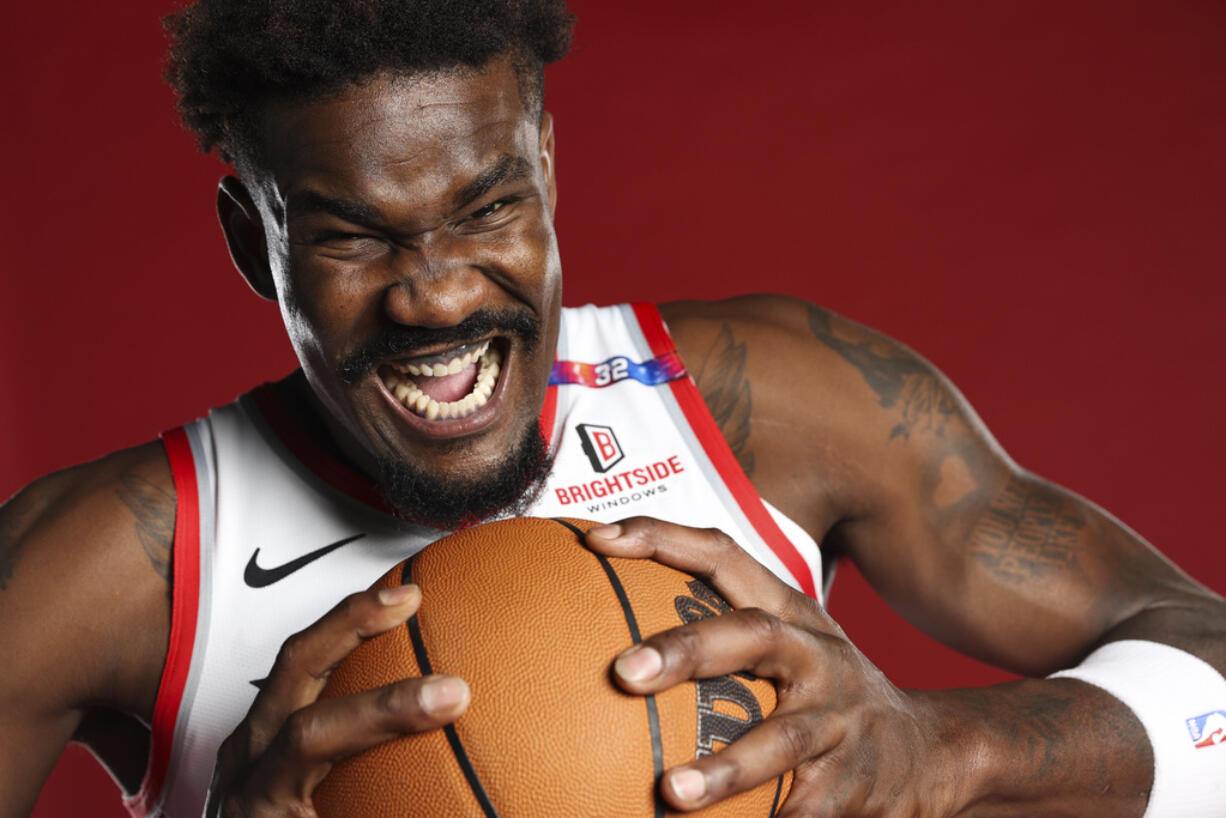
84, 615
881, 459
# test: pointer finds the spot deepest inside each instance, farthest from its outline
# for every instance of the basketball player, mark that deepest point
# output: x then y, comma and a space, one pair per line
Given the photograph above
397, 202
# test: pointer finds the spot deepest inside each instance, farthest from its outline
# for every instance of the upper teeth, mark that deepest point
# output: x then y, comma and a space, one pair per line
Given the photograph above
418, 402
448, 368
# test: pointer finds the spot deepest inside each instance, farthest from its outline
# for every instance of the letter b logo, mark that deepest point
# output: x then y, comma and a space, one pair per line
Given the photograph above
600, 445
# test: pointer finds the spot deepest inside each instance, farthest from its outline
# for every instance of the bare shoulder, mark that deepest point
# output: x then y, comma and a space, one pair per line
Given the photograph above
762, 316
816, 407
84, 566
741, 352
798, 348
790, 407
880, 457
84, 613
722, 344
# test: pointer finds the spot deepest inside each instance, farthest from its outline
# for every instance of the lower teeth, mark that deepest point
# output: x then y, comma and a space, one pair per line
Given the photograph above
419, 403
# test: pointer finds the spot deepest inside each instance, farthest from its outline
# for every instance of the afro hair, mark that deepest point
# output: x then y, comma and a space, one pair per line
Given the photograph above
230, 58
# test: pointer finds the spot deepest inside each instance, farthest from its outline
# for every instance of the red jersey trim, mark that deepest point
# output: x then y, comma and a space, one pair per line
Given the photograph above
307, 449
712, 440
185, 605
549, 414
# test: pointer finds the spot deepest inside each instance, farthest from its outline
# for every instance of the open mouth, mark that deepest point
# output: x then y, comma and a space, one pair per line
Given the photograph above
446, 386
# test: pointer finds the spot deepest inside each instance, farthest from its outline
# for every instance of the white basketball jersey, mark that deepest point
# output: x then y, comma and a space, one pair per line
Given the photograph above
271, 531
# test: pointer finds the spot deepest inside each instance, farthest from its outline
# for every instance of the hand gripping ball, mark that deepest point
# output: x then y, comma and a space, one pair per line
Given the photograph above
532, 620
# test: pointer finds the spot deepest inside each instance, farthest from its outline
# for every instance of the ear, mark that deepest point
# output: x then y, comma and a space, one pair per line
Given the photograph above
244, 230
547, 161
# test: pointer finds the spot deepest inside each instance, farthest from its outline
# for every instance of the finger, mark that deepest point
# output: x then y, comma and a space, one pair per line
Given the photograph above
781, 743
318, 736
748, 639
308, 657
707, 553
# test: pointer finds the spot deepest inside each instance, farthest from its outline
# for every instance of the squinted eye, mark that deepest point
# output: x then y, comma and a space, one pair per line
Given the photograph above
489, 210
332, 237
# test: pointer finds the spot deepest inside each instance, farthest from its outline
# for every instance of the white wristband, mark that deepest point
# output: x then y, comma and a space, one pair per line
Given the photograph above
1181, 701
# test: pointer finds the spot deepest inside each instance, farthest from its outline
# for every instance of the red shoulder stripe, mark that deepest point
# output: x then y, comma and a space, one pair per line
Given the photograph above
184, 608
549, 413
699, 417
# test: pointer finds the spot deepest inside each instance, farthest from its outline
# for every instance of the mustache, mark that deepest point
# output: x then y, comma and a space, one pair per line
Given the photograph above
397, 340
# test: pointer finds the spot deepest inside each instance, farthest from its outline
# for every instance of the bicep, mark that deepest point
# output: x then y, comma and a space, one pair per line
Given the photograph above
37, 716
994, 561
1026, 575
34, 734
872, 450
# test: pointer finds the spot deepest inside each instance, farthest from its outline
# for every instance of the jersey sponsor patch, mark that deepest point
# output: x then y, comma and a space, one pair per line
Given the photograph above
1208, 730
621, 488
662, 369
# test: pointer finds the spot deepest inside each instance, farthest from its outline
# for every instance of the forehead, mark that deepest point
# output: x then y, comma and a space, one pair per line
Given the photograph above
429, 132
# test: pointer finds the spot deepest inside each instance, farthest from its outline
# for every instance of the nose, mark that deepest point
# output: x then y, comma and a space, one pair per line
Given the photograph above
436, 285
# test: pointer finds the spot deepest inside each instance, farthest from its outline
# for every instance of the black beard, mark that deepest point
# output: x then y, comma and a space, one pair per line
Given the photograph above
450, 504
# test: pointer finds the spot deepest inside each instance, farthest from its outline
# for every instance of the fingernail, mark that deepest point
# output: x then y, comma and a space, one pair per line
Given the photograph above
606, 532
398, 595
688, 785
442, 694
639, 664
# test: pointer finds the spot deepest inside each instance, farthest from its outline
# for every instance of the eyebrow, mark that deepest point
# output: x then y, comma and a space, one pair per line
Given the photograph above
307, 201
508, 168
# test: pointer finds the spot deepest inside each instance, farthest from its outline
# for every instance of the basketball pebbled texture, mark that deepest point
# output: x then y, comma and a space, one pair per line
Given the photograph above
532, 620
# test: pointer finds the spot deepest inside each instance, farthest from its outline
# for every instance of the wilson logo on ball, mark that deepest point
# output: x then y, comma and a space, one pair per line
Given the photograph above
600, 445
713, 725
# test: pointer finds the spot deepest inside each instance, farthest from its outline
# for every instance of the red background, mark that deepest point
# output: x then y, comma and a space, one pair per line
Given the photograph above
1032, 194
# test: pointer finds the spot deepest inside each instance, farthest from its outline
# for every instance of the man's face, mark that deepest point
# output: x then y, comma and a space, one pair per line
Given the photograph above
409, 224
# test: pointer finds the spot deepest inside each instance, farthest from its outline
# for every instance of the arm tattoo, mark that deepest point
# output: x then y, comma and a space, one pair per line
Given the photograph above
722, 383
899, 380
1038, 724
1042, 726
154, 510
1027, 532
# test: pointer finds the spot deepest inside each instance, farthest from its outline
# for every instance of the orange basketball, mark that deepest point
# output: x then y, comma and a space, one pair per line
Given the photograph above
532, 620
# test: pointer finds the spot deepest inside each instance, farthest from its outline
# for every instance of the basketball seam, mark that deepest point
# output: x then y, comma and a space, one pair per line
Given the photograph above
778, 792
453, 737
653, 716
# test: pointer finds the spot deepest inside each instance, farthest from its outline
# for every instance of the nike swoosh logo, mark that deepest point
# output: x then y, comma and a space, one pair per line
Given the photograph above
258, 577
